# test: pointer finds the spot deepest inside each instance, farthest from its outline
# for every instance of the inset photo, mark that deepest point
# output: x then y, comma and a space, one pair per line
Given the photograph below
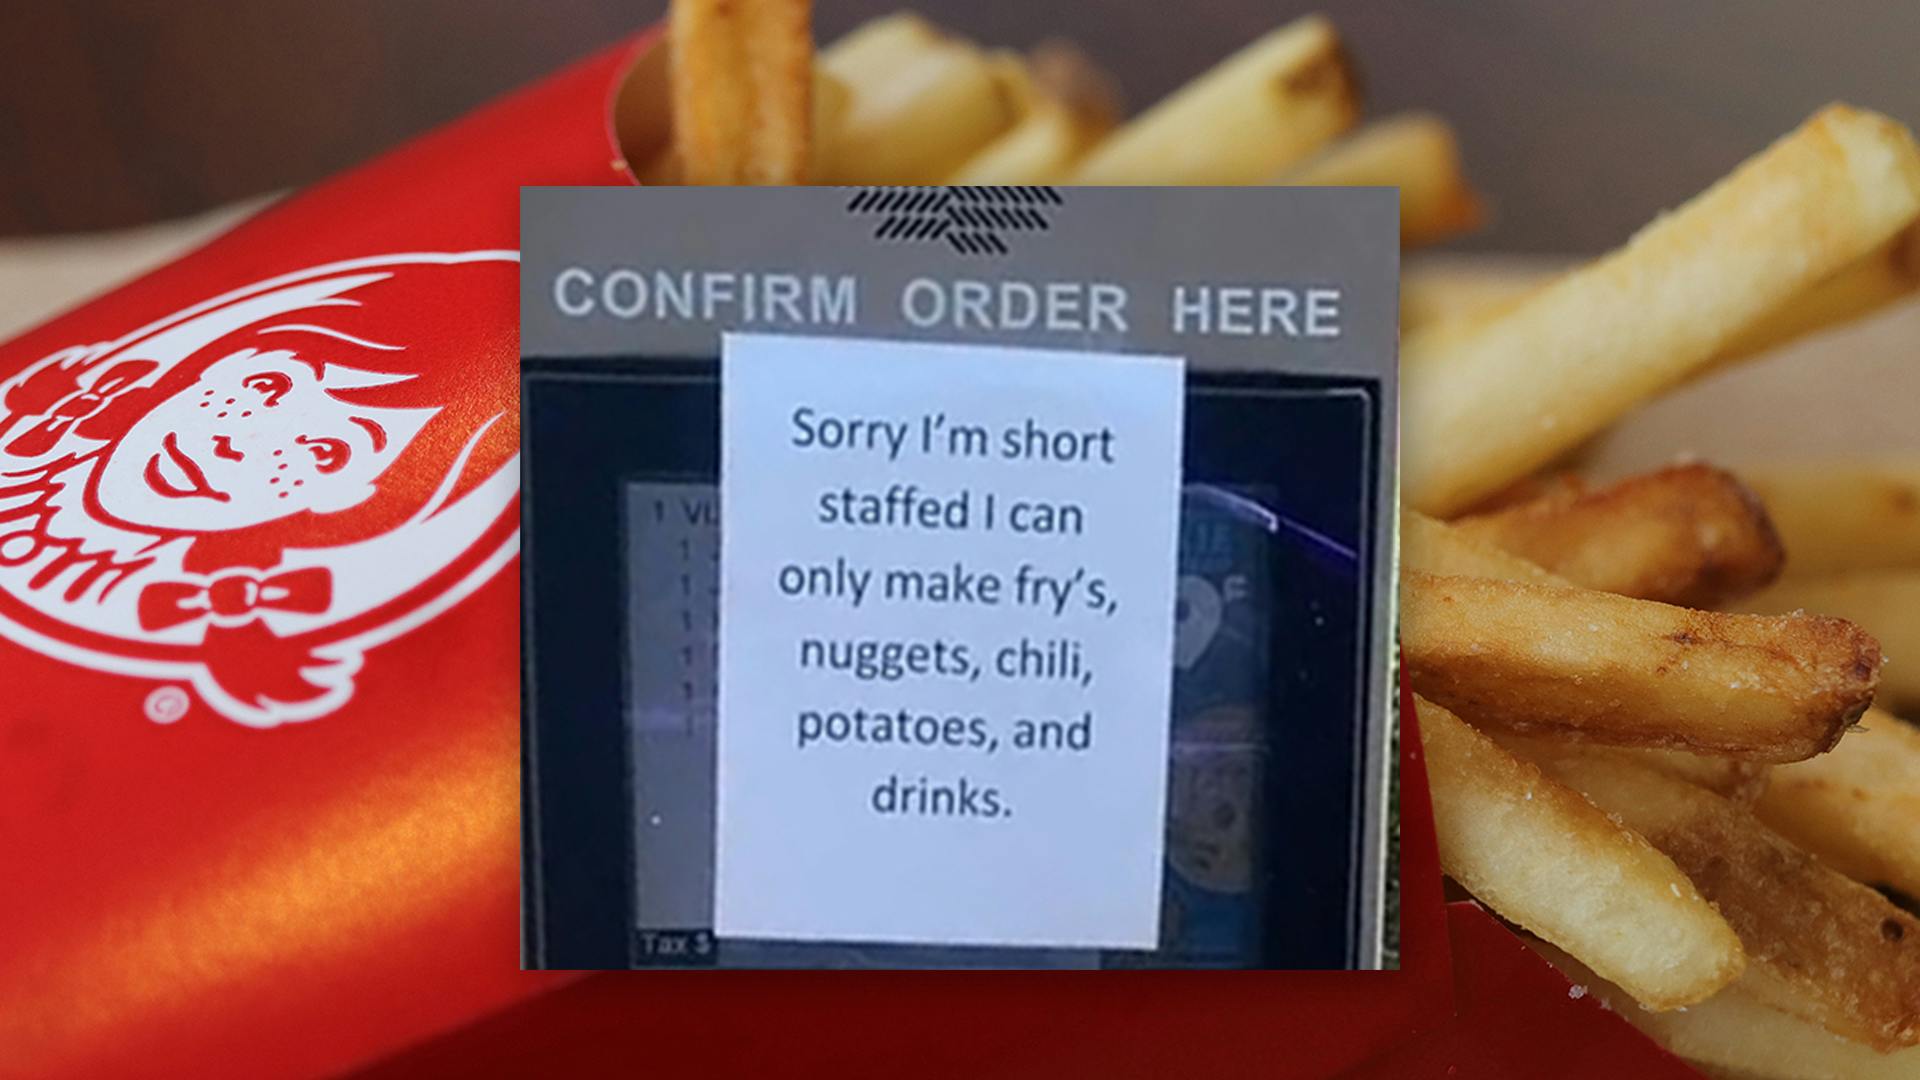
958, 577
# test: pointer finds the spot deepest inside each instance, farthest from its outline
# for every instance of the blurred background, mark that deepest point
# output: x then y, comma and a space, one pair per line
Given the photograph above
1579, 120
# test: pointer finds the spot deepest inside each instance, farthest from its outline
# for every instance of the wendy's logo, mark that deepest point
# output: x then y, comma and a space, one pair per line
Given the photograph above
249, 494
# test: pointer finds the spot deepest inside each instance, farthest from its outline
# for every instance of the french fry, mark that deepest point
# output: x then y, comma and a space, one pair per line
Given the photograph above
1482, 409
1458, 297
1435, 547
1544, 857
1075, 106
1688, 534
1264, 108
742, 76
919, 103
1890, 273
1742, 782
1885, 602
1038, 150
663, 168
878, 49
1533, 658
1843, 515
1436, 290
780, 139
1415, 152
1733, 1034
831, 99
1857, 806
1819, 945
1528, 488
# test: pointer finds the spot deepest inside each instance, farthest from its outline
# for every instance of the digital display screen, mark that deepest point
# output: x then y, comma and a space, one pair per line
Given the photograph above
1221, 739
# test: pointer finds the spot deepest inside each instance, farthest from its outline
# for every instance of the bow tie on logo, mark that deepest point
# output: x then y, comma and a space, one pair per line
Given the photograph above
167, 604
54, 394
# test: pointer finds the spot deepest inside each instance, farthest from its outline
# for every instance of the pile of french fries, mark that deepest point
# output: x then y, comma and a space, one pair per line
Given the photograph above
900, 101
1652, 744
1651, 729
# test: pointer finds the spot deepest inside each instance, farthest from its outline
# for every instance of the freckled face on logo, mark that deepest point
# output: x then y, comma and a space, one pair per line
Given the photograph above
249, 493
258, 436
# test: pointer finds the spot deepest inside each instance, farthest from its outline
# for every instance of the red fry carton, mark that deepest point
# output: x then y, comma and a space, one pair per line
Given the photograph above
259, 623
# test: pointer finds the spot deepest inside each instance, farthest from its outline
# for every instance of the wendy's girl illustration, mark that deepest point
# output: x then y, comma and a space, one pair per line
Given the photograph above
249, 494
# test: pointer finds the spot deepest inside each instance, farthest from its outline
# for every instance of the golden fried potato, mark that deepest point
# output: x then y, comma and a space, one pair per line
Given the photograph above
1843, 515
1887, 274
1819, 944
919, 103
1543, 857
1885, 602
1442, 289
880, 49
1458, 296
1634, 672
742, 79
1857, 806
1074, 106
1733, 1034
1436, 547
1264, 108
1415, 152
1691, 535
1482, 409
1742, 782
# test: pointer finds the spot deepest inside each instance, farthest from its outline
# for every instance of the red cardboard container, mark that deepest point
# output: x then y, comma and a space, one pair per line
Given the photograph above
259, 736
261, 748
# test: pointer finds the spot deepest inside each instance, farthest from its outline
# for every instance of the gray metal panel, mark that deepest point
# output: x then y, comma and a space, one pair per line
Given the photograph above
1148, 241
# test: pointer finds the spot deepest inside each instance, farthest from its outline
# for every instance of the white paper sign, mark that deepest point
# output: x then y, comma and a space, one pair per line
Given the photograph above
947, 598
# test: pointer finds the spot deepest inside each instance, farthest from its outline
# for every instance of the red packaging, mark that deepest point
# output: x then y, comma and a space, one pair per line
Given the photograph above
259, 624
259, 732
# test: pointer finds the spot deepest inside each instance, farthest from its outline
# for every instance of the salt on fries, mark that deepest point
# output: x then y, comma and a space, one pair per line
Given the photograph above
1547, 859
1687, 807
